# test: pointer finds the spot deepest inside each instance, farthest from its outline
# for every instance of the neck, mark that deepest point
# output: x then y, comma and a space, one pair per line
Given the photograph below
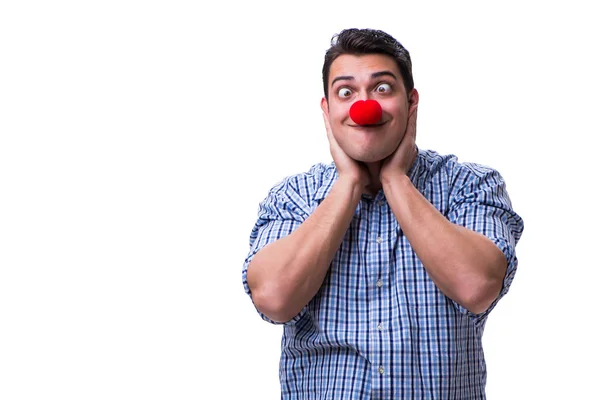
375, 185
374, 170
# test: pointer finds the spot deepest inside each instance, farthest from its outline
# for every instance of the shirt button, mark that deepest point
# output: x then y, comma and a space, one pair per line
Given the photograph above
381, 370
379, 327
379, 283
379, 239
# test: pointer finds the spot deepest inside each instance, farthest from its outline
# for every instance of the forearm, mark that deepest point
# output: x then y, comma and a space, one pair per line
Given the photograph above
465, 265
285, 275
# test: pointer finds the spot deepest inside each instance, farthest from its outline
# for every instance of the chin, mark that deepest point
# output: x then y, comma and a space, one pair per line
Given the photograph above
369, 156
370, 151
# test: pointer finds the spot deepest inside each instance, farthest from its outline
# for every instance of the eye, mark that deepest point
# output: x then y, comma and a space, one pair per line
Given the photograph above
344, 93
384, 88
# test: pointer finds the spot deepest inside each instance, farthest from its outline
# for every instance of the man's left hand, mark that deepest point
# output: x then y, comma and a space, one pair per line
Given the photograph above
399, 162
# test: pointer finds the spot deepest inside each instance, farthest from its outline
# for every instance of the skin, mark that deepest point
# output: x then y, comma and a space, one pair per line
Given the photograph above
378, 149
466, 266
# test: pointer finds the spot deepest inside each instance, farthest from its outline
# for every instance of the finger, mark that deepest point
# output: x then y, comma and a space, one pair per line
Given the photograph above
328, 128
326, 121
413, 116
411, 127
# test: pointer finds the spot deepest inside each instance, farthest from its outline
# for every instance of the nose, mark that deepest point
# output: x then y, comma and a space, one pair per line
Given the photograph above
366, 112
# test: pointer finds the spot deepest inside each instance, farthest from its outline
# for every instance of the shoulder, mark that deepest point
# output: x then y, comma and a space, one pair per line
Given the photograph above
302, 191
306, 184
454, 171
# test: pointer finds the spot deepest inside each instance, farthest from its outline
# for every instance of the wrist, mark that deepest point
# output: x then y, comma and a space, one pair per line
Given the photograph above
354, 184
394, 178
390, 176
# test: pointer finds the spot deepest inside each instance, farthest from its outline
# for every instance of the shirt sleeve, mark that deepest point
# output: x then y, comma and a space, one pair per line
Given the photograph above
479, 201
279, 214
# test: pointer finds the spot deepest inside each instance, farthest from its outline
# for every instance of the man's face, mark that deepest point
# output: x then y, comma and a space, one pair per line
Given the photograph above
371, 76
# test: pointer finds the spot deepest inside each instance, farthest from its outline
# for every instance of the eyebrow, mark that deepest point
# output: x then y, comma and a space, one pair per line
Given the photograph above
373, 76
383, 73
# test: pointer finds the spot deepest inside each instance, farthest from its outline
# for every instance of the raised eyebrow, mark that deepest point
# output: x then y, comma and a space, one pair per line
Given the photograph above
383, 73
374, 75
342, 78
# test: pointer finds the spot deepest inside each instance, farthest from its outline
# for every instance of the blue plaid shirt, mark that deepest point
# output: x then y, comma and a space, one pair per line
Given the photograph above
379, 328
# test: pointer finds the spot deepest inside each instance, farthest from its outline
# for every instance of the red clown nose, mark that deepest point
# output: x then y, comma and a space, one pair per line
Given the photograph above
366, 112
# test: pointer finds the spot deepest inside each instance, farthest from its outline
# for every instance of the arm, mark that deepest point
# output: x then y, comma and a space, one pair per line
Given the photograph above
286, 274
465, 265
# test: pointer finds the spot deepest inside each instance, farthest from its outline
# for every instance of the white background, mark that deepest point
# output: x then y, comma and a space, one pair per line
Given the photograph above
137, 139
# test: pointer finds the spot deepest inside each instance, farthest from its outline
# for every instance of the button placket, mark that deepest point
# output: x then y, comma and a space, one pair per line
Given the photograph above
379, 242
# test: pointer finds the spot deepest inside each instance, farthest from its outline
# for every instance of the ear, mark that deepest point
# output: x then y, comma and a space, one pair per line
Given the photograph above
325, 107
413, 101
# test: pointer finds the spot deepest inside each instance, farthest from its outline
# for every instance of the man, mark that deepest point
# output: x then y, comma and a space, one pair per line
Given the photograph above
384, 265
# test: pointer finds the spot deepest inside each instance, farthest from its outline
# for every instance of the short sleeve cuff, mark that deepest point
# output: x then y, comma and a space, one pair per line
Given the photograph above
511, 269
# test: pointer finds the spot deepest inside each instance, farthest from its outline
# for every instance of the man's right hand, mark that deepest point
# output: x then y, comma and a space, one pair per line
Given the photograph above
347, 167
286, 274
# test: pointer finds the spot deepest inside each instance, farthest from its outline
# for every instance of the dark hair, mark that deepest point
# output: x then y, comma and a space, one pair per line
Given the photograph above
368, 41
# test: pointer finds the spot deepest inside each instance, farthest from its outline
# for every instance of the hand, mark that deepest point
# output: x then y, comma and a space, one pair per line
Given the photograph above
400, 161
347, 167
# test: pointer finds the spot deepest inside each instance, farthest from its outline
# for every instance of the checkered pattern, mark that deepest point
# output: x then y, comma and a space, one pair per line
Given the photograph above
379, 328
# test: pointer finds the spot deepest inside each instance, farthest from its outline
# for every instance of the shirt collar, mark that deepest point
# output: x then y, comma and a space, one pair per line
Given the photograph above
331, 175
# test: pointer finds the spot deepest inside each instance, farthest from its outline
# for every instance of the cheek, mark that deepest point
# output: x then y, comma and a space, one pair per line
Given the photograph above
341, 113
394, 107
398, 113
338, 111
